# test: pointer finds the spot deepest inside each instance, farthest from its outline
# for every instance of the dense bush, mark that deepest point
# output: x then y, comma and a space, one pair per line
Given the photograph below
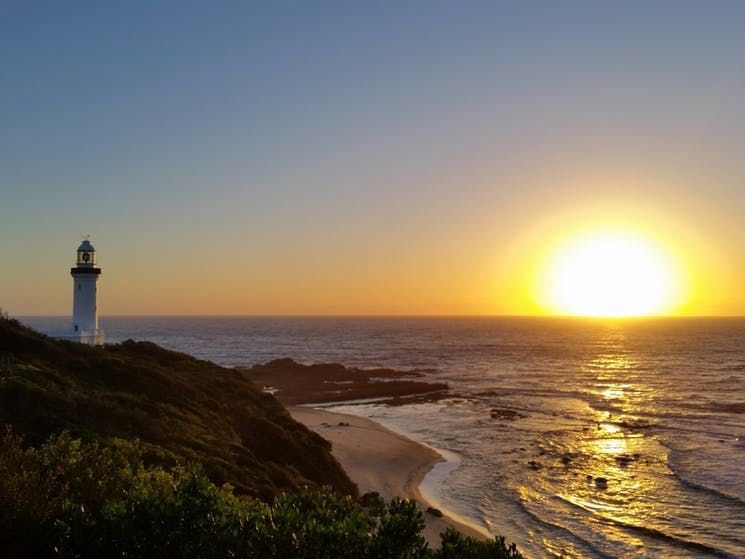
78, 500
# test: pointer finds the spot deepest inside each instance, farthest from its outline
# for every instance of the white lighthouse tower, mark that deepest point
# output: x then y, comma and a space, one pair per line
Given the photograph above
84, 298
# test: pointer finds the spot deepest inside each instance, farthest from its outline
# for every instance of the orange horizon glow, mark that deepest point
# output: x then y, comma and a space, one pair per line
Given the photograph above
540, 264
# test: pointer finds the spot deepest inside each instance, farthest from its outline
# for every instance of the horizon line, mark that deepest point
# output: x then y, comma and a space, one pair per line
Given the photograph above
363, 315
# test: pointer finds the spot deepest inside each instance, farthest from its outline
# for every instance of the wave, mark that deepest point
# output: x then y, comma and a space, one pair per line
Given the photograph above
733, 407
713, 491
675, 540
738, 367
594, 549
715, 406
653, 532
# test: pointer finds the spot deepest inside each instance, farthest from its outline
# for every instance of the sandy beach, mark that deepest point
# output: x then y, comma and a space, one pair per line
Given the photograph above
378, 459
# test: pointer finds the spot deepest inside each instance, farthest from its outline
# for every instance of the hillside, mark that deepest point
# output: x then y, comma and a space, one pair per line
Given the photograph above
182, 408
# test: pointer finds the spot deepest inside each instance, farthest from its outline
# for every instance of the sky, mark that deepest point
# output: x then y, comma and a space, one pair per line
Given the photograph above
414, 157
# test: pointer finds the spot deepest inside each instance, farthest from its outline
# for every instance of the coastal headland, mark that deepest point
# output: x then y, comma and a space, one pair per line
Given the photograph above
156, 450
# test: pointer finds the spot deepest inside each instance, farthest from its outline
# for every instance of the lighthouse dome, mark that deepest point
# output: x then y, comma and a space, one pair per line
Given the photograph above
86, 246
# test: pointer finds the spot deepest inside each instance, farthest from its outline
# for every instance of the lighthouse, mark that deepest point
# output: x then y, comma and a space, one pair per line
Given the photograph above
85, 297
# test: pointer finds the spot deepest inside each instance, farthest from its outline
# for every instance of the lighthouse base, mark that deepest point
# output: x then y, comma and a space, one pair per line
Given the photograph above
87, 337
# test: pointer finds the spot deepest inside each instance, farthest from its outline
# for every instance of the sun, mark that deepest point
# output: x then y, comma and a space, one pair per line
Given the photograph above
611, 273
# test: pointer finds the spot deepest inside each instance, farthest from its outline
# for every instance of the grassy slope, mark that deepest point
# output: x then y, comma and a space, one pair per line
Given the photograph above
183, 408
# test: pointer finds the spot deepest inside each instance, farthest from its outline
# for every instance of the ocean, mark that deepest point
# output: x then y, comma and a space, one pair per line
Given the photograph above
571, 437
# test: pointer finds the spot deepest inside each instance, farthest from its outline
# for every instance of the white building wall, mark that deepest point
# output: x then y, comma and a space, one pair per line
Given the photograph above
84, 307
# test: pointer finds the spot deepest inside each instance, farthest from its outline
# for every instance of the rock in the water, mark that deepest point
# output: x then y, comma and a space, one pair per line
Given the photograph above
509, 415
624, 460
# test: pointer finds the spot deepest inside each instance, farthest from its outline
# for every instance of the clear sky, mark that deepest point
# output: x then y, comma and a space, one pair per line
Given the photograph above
377, 157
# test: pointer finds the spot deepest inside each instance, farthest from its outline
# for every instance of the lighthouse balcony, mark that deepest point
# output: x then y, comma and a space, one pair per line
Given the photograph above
79, 270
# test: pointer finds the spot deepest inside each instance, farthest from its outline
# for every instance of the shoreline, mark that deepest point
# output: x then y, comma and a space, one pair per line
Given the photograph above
389, 463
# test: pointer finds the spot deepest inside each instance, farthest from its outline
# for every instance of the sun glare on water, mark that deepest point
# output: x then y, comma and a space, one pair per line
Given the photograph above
611, 274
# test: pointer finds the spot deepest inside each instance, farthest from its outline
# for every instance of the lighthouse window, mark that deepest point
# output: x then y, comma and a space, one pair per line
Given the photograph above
80, 287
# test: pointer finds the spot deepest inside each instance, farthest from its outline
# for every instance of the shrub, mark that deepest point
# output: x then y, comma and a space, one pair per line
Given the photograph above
455, 545
80, 500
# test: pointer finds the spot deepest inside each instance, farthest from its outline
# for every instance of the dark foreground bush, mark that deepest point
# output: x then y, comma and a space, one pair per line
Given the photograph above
88, 500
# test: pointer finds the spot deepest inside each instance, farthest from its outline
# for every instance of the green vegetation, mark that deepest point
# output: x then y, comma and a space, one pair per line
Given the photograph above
88, 500
135, 451
181, 408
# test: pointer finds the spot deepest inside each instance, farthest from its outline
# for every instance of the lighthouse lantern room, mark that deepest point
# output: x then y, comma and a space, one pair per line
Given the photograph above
85, 297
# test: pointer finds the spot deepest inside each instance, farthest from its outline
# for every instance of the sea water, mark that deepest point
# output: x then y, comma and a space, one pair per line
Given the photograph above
572, 437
